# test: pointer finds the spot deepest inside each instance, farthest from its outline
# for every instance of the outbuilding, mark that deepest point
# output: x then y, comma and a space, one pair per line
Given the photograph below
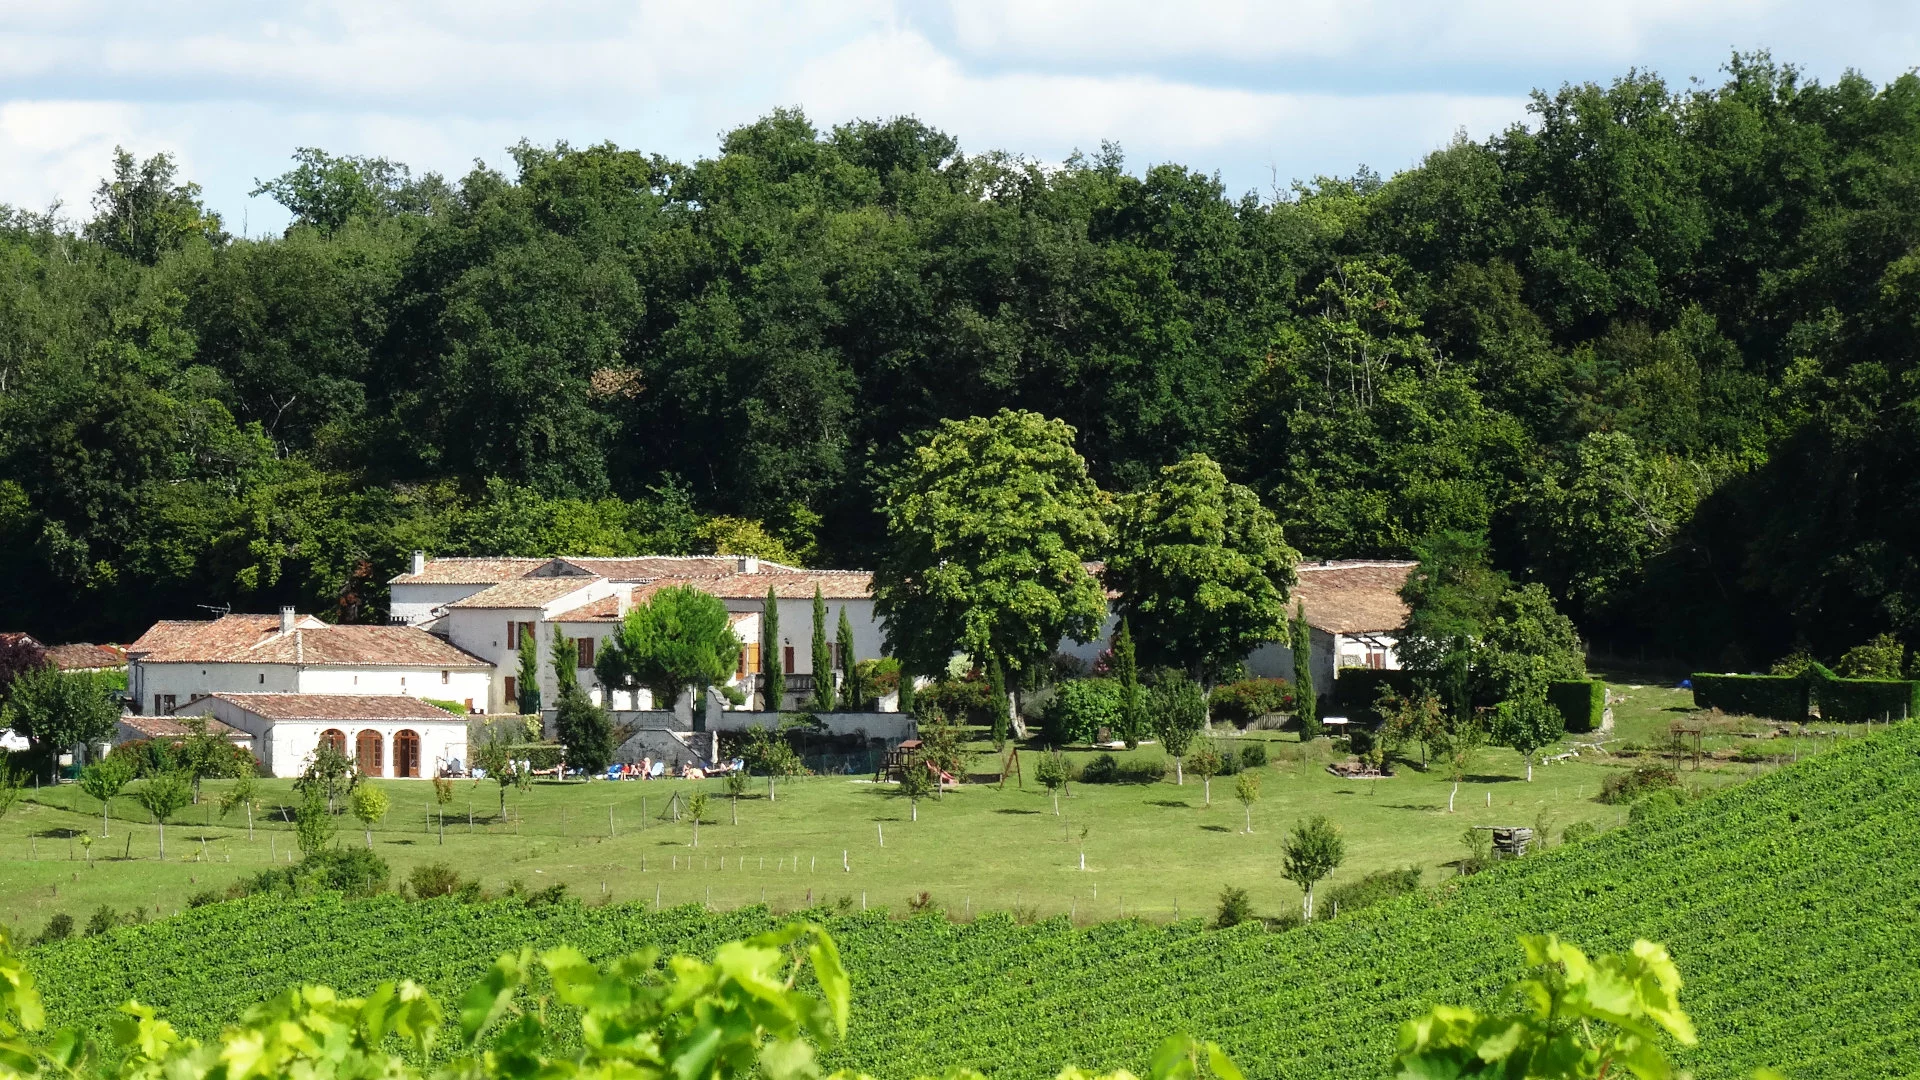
388, 736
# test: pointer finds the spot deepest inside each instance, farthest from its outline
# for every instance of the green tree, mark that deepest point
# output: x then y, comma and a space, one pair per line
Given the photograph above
1312, 850
916, 782
527, 688
163, 796
1453, 595
1246, 788
1054, 772
997, 717
821, 657
328, 771
1527, 721
735, 785
1179, 709
243, 795
1126, 671
843, 640
1880, 657
326, 191
369, 805
103, 780
696, 809
204, 755
578, 724
681, 637
1306, 703
773, 672
1204, 761
989, 521
1201, 568
142, 214
495, 755
313, 824
56, 710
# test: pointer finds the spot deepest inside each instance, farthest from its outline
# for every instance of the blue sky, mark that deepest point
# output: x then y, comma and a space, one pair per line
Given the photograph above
1253, 91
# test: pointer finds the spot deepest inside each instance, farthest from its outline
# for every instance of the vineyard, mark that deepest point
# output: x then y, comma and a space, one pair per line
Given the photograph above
1790, 904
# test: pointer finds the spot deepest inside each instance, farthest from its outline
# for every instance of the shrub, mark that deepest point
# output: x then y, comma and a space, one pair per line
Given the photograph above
1080, 709
1628, 786
1107, 769
205, 897
457, 708
1582, 703
962, 701
59, 928
1658, 804
1775, 697
102, 920
1856, 700
1578, 831
1103, 769
353, 871
1241, 703
434, 879
1253, 755
1372, 889
1235, 908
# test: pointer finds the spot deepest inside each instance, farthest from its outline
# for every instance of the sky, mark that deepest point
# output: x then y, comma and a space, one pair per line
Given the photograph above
1259, 93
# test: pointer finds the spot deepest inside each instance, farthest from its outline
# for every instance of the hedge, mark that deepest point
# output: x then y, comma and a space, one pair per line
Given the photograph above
1776, 697
1080, 709
1582, 703
1856, 700
1356, 689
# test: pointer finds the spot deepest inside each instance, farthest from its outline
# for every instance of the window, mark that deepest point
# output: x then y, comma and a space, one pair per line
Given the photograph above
787, 660
263, 678
749, 660
513, 635
1377, 658
446, 677
526, 633
513, 691
585, 647
335, 738
367, 753
163, 704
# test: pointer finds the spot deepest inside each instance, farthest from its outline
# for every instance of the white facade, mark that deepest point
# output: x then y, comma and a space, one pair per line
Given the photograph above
159, 688
286, 746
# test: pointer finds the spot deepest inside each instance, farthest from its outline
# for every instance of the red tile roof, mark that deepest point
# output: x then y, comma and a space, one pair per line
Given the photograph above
1353, 596
172, 727
464, 571
605, 609
647, 567
256, 639
799, 585
86, 657
523, 593
339, 707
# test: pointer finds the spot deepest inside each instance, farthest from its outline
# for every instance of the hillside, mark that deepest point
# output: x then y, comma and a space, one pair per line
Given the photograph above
1790, 904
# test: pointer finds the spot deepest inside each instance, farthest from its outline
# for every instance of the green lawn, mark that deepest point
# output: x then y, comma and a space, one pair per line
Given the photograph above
1150, 850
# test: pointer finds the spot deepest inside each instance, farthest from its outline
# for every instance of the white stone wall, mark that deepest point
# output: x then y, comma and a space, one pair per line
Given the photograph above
185, 682
413, 604
796, 628
286, 746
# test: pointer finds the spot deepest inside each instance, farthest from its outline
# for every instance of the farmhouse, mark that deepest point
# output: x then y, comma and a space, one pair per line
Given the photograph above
174, 663
1354, 614
386, 735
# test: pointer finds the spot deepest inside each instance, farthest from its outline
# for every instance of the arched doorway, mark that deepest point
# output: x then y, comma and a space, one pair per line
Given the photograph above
406, 753
367, 753
335, 738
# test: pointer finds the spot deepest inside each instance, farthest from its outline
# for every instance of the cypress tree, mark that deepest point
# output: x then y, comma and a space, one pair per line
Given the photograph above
1306, 705
843, 635
773, 674
997, 702
527, 692
1127, 671
820, 657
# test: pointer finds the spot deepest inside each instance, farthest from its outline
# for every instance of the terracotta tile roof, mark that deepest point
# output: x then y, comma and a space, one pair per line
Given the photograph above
523, 593
256, 639
339, 707
798, 585
171, 727
1353, 596
465, 571
85, 656
647, 567
605, 609
15, 637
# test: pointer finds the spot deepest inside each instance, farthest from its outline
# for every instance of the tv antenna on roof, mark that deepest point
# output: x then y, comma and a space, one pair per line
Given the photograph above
218, 609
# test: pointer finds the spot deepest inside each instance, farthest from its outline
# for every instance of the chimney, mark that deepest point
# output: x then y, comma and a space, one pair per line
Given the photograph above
419, 562
286, 619
748, 564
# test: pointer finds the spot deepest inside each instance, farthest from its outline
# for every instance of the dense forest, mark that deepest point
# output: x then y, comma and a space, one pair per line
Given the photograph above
1657, 345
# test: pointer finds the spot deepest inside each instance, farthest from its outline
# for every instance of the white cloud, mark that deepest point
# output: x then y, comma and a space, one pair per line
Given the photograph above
57, 150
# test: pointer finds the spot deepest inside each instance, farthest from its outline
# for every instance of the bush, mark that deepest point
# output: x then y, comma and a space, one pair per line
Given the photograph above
1357, 689
1852, 701
434, 879
1235, 908
59, 928
102, 920
1578, 831
961, 701
1658, 804
205, 897
1079, 710
1582, 703
1774, 697
1107, 769
1253, 755
352, 871
1241, 703
1627, 786
1372, 889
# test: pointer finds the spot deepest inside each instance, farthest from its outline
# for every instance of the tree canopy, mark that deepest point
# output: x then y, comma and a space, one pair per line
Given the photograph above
679, 637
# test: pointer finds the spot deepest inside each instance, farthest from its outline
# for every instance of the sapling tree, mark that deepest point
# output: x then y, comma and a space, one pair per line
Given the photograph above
1463, 739
696, 809
1527, 722
496, 758
1246, 788
313, 824
369, 805
1054, 773
442, 795
243, 795
104, 779
1312, 851
1179, 712
735, 786
1205, 762
916, 781
163, 796
329, 770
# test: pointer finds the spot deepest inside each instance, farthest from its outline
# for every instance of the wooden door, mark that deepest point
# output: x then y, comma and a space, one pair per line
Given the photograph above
367, 753
406, 753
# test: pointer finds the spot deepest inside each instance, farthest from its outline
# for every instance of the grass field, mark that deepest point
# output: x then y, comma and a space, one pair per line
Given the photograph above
1153, 851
